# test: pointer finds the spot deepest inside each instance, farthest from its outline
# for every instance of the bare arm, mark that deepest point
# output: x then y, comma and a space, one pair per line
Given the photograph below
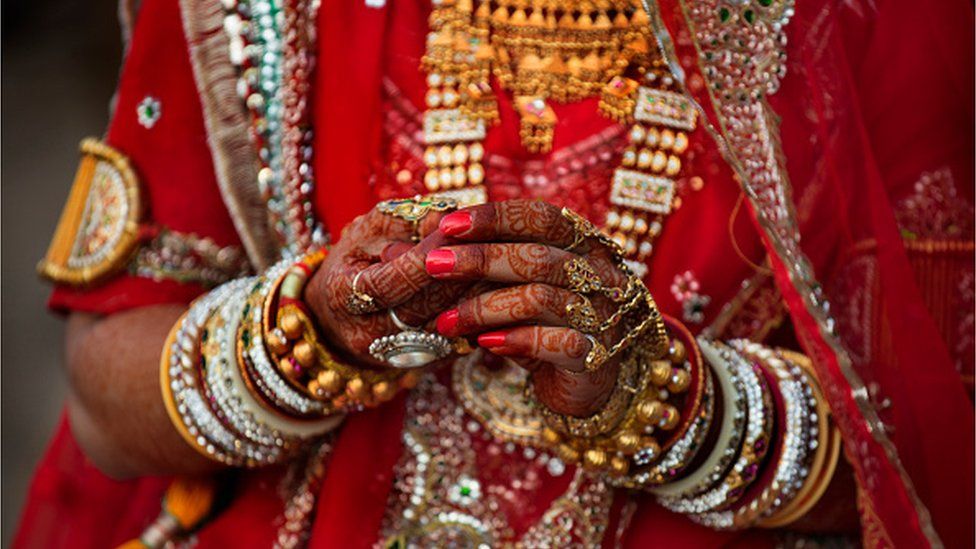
115, 406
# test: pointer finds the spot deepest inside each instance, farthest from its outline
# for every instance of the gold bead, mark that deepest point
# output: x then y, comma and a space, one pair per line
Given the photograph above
619, 465
677, 352
384, 391
550, 436
277, 343
304, 353
595, 458
357, 389
669, 417
567, 453
330, 381
316, 390
291, 325
660, 372
650, 411
409, 380
289, 370
680, 380
628, 441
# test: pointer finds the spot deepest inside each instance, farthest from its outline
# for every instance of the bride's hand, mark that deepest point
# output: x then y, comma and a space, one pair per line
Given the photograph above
524, 244
390, 267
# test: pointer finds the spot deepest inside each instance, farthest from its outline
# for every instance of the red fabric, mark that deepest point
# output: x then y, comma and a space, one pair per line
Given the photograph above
846, 158
172, 159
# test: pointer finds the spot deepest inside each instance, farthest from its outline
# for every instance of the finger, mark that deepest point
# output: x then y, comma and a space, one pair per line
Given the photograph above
393, 282
509, 262
514, 221
515, 263
564, 348
529, 303
381, 227
394, 250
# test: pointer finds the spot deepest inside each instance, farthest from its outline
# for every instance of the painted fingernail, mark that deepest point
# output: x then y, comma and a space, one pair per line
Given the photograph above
440, 262
447, 322
492, 339
455, 223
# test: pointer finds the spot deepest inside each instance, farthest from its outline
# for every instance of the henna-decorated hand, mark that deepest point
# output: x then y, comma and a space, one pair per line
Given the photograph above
392, 266
522, 243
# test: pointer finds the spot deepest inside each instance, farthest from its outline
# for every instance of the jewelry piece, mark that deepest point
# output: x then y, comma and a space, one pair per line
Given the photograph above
582, 316
359, 302
597, 355
729, 438
411, 348
584, 228
414, 210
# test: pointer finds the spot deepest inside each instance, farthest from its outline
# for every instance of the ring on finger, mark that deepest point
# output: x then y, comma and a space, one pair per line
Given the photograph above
414, 210
597, 355
584, 228
583, 279
411, 347
359, 302
582, 316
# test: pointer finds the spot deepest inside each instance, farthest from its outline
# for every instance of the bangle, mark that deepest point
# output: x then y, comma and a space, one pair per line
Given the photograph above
824, 461
786, 469
258, 368
305, 362
625, 433
206, 396
728, 440
180, 381
754, 445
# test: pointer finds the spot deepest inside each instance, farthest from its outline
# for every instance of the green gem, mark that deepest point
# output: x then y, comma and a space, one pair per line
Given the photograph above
723, 14
749, 15
765, 3
465, 491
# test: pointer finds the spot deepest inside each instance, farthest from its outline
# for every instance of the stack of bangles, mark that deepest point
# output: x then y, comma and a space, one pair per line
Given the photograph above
735, 435
246, 378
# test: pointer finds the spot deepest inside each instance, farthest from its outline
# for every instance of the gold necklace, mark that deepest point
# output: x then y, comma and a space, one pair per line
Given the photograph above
563, 51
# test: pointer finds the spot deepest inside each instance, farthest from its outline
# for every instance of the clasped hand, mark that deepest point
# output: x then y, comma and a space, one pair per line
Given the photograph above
492, 273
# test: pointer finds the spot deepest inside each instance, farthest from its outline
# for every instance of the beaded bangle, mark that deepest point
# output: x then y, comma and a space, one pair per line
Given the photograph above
259, 368
824, 461
247, 414
755, 443
255, 440
683, 452
180, 381
728, 440
308, 365
786, 470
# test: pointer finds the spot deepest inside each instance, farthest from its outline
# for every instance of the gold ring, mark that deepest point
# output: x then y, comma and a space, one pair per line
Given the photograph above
584, 229
597, 355
582, 316
359, 302
413, 210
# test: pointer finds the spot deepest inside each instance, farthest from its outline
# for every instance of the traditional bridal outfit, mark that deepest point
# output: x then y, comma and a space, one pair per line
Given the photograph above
792, 182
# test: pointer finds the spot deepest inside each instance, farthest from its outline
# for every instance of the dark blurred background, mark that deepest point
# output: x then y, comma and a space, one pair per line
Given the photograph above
60, 61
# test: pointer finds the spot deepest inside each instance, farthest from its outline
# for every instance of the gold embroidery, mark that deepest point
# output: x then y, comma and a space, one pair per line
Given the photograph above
99, 226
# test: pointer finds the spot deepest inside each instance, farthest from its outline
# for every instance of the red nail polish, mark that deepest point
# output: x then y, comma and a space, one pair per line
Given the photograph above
447, 322
440, 262
492, 339
455, 223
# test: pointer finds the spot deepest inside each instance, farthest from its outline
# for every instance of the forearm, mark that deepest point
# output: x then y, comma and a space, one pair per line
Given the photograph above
115, 405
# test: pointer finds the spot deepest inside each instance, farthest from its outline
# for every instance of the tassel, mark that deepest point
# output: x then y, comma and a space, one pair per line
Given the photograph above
189, 500
186, 503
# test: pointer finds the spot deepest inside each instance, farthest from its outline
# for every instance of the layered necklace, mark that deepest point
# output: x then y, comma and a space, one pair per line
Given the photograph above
555, 51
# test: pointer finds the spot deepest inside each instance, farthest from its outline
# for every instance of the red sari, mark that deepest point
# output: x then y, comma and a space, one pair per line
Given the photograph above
849, 172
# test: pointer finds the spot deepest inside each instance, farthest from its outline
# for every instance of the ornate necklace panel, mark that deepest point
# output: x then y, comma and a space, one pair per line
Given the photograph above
459, 485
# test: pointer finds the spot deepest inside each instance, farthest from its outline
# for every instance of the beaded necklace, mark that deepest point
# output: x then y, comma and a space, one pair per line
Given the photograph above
563, 51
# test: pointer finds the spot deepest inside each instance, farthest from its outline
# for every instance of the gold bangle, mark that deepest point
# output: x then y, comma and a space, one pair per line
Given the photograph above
825, 460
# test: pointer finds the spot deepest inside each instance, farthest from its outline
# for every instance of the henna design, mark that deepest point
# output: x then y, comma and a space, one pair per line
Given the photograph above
401, 280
